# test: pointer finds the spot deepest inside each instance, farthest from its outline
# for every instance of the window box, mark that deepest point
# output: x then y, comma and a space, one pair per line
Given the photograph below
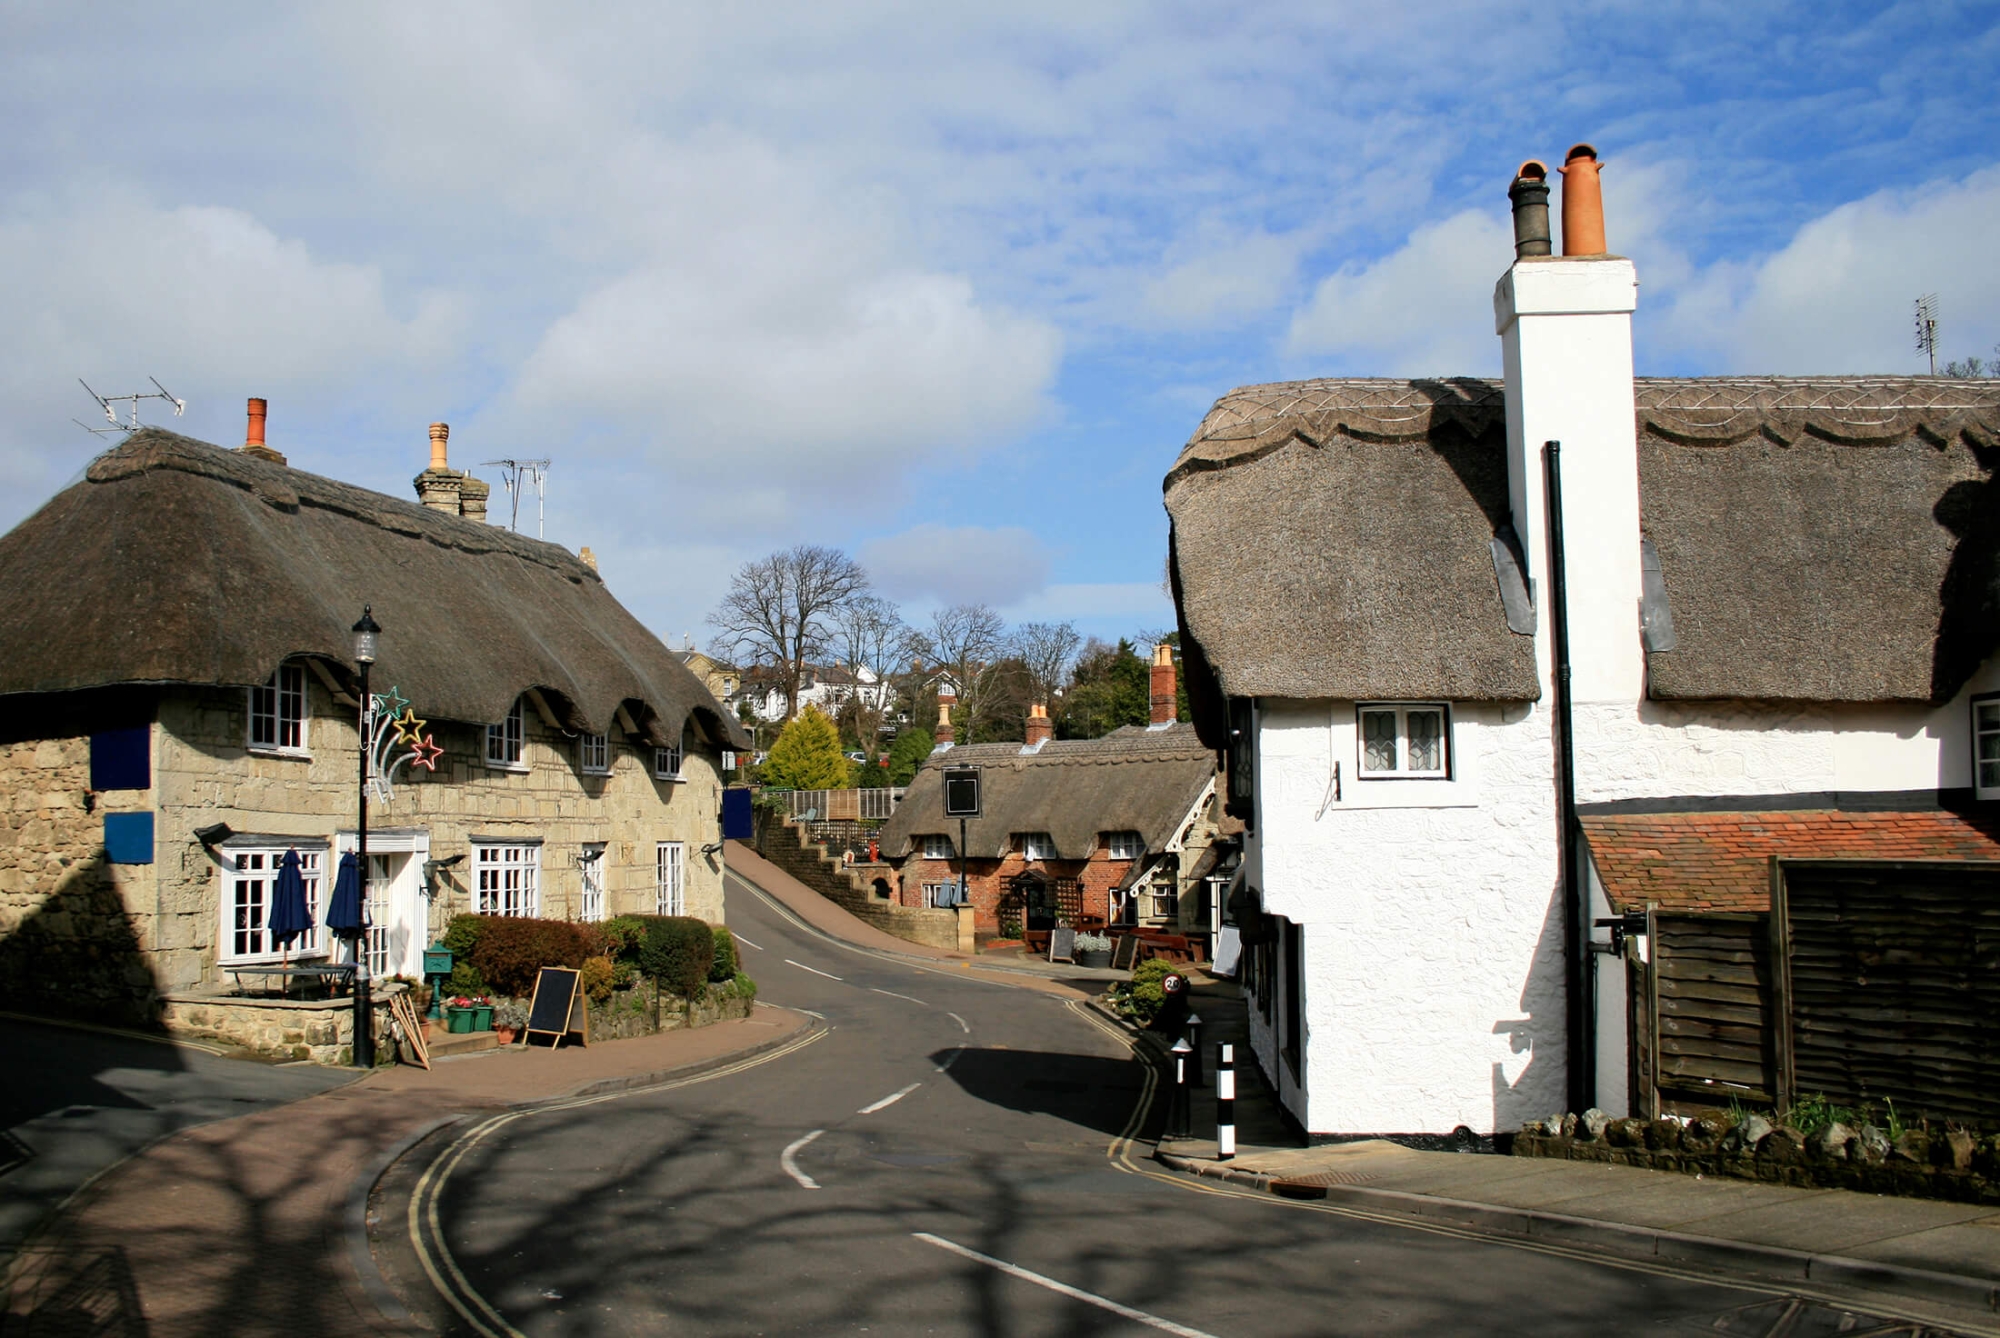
278, 713
1404, 740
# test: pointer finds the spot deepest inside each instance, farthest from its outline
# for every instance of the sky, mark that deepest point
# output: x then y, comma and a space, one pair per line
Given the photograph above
945, 287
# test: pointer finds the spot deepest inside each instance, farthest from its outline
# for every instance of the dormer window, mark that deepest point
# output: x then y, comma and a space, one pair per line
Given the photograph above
1037, 845
1123, 845
594, 754
503, 741
667, 764
278, 712
937, 847
1986, 747
1405, 741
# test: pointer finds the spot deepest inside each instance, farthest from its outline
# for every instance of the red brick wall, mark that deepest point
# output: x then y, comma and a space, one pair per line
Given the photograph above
986, 881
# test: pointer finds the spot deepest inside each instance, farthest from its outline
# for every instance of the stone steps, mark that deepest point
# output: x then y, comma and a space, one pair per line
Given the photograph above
440, 1042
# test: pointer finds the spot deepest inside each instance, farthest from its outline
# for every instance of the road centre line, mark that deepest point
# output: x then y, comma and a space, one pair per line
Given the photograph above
791, 1168
906, 998
815, 970
889, 1100
949, 1062
961, 1023
1063, 1288
740, 939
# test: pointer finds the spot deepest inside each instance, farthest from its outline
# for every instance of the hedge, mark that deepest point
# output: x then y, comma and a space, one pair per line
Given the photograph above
676, 952
724, 966
504, 952
507, 950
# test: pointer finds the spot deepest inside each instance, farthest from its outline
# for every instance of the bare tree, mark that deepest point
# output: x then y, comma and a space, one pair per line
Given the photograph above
963, 640
1049, 651
782, 608
870, 633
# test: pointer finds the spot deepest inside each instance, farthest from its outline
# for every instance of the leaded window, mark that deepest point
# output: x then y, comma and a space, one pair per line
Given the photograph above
1405, 740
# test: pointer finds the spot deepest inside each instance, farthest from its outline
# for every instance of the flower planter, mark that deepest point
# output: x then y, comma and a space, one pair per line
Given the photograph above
482, 1017
505, 1033
1095, 960
458, 1020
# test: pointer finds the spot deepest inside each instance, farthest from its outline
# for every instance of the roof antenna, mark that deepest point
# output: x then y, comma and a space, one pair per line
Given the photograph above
1927, 328
515, 473
105, 402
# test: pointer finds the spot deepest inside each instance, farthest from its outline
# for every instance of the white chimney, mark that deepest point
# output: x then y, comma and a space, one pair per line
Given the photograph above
1565, 325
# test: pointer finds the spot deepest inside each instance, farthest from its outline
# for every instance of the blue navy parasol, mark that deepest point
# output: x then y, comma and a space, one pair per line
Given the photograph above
343, 913
291, 917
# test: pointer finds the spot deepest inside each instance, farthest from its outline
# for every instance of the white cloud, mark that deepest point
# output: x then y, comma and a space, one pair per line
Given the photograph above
1217, 280
963, 564
1425, 309
1837, 298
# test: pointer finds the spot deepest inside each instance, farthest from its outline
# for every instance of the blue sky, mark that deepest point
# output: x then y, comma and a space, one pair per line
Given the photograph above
946, 289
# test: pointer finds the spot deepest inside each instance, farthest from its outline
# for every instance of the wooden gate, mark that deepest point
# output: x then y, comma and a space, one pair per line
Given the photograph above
1891, 982
1705, 1025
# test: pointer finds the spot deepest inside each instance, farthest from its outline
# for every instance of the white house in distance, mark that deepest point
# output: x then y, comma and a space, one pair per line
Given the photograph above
1780, 611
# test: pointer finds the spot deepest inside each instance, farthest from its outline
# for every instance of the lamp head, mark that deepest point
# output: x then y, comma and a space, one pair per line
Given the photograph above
367, 636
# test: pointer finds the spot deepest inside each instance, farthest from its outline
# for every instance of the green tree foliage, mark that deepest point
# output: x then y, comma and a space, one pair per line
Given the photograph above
677, 952
807, 754
1111, 688
911, 748
723, 968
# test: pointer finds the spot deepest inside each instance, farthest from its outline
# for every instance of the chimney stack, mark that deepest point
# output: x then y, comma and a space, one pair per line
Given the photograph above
253, 436
1530, 194
945, 735
1583, 203
590, 560
1040, 728
1165, 700
442, 488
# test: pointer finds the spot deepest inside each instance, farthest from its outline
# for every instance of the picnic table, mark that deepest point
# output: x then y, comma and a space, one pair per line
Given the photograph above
325, 971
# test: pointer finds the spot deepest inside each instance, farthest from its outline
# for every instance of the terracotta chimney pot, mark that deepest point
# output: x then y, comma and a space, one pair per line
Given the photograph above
440, 435
1164, 698
1040, 728
589, 559
253, 435
1583, 203
944, 729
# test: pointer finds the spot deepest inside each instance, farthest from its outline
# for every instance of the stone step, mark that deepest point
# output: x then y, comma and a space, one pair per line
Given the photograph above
440, 1042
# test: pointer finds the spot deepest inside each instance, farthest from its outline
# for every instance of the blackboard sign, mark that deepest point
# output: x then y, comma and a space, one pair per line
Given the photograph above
1125, 952
558, 1000
1062, 944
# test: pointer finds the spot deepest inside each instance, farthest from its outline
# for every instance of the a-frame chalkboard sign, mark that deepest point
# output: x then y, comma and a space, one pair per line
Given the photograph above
558, 1009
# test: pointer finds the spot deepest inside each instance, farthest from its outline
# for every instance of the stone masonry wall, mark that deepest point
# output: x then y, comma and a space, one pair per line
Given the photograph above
319, 1030
787, 845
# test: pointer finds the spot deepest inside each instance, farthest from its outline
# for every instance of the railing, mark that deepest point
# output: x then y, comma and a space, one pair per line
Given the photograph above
846, 805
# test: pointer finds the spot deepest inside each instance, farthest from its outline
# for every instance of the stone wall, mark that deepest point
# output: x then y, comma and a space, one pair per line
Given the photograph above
320, 1030
787, 845
630, 1012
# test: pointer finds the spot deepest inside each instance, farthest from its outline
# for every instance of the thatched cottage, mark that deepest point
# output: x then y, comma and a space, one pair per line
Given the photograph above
1647, 773
178, 710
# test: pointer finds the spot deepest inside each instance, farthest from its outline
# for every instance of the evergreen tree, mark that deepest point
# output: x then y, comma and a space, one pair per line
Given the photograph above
807, 754
911, 748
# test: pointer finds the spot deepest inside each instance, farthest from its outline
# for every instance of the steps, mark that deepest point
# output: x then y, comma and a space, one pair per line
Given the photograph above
440, 1043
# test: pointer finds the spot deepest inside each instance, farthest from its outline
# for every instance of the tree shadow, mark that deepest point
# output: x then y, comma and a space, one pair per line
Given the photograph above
1069, 1087
1969, 599
77, 956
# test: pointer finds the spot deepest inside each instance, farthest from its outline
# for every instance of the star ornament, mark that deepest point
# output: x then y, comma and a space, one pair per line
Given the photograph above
392, 703
409, 729
425, 753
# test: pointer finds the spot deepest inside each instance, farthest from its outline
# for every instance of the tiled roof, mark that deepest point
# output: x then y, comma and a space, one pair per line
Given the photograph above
1721, 861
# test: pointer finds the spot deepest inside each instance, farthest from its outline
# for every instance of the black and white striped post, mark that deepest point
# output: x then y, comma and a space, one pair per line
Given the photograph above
1225, 1102
1183, 1114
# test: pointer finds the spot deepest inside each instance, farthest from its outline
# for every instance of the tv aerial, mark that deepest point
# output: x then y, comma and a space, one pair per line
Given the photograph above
1927, 323
131, 402
516, 474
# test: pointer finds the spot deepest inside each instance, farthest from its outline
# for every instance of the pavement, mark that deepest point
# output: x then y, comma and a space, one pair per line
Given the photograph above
1948, 1253
245, 1226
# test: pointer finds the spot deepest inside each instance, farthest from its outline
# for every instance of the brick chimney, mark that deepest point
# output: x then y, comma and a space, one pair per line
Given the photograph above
1040, 728
253, 436
1164, 698
442, 488
945, 734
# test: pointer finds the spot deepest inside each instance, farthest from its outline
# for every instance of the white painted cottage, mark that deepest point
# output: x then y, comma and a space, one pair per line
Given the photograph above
1780, 614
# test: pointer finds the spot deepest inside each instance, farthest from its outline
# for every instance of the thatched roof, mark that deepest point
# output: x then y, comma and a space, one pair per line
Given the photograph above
1131, 780
177, 562
1831, 539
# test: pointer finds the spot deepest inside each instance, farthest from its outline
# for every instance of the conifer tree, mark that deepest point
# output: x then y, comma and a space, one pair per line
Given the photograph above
807, 754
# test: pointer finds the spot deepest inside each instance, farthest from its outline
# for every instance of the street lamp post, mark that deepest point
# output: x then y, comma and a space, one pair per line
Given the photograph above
367, 636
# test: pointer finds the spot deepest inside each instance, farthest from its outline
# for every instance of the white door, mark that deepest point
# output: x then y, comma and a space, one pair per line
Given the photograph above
398, 922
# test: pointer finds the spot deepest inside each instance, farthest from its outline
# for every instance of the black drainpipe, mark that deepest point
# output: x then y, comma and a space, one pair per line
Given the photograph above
1580, 999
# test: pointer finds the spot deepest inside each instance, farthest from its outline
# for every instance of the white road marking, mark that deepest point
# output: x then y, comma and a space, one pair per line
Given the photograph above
889, 1100
815, 970
1063, 1288
740, 939
809, 1013
791, 1168
906, 998
949, 1062
961, 1023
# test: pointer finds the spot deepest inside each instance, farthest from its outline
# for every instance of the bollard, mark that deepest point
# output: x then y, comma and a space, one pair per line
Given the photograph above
1225, 1102
1181, 1116
1193, 1034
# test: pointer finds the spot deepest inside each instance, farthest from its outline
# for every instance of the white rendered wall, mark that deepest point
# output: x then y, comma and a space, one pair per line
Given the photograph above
1434, 994
1614, 1086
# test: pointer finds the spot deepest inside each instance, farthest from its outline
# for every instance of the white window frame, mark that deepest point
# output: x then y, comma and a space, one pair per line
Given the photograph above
937, 846
590, 882
506, 742
1037, 846
943, 895
248, 875
1402, 711
507, 878
593, 754
279, 704
667, 763
1124, 845
670, 869
1986, 746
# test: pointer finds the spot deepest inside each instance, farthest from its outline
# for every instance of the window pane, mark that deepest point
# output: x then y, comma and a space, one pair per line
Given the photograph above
1378, 740
1989, 747
1989, 775
1989, 715
1426, 740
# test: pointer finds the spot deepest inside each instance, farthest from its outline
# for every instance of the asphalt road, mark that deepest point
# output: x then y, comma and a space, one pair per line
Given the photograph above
948, 1158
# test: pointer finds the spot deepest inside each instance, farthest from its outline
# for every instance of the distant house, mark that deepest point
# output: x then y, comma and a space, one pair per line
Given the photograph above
1780, 610
827, 687
178, 712
722, 680
1121, 830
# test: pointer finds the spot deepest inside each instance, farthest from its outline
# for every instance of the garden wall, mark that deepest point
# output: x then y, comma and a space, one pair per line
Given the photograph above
320, 1030
786, 844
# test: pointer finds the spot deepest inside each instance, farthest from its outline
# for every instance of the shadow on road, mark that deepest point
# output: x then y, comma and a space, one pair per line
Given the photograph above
1090, 1091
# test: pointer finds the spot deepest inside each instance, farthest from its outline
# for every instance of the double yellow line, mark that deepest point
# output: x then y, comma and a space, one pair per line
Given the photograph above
427, 1231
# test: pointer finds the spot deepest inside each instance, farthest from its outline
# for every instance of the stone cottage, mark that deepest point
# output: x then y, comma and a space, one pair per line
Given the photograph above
178, 711
1654, 769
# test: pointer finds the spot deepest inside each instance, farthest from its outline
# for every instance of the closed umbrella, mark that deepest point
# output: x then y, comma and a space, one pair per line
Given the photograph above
343, 913
291, 917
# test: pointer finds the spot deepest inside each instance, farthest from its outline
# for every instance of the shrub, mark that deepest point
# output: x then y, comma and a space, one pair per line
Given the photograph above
462, 934
724, 966
676, 953
1143, 998
807, 754
598, 973
621, 937
465, 979
511, 949
743, 987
